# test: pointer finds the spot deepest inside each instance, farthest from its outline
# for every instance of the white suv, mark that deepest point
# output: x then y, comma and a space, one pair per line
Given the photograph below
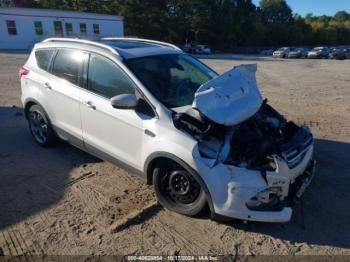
199, 138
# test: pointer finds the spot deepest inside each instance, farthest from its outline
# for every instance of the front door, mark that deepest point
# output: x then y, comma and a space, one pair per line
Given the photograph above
106, 130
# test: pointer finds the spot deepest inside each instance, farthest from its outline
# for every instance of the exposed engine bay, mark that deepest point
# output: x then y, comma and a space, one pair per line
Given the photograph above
264, 161
250, 144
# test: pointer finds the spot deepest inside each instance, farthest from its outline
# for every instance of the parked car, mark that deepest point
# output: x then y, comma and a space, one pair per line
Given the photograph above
298, 53
337, 53
202, 49
266, 52
318, 52
283, 52
200, 138
186, 48
347, 53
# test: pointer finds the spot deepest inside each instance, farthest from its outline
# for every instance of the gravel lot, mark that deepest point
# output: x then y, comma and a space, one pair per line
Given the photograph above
64, 201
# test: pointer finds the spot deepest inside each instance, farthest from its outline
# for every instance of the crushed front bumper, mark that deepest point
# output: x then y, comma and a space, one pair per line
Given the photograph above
300, 184
232, 187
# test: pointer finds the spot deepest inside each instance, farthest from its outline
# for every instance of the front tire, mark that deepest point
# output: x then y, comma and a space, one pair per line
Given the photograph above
40, 127
178, 190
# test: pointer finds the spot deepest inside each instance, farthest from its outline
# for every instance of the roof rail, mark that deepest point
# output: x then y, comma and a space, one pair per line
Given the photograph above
83, 41
141, 40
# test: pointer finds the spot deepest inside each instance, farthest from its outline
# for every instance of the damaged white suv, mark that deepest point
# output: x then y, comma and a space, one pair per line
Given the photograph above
199, 138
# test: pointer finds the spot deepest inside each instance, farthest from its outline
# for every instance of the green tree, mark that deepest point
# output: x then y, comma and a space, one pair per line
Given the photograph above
341, 16
222, 24
275, 11
7, 3
278, 20
144, 18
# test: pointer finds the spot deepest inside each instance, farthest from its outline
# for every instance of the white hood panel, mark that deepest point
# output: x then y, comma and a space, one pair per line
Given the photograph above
231, 97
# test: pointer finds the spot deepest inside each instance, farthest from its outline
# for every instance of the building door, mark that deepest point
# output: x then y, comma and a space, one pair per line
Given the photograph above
69, 29
58, 28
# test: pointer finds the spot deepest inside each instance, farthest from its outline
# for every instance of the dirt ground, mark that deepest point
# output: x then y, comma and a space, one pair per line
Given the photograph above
64, 201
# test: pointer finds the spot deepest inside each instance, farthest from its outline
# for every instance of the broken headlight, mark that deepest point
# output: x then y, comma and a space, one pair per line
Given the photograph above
267, 200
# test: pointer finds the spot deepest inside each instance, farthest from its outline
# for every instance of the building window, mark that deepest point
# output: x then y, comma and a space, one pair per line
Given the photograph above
96, 29
11, 27
83, 28
58, 28
38, 25
69, 29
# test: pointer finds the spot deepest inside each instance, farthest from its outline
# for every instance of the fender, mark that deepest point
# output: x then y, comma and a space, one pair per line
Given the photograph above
34, 101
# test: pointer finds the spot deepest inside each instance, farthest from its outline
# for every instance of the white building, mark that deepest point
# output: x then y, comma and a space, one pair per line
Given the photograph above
21, 28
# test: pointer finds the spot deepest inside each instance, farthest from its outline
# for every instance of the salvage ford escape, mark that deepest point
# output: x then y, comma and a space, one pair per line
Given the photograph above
200, 138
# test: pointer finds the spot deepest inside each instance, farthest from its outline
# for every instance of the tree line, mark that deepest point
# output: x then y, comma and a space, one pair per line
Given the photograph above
221, 24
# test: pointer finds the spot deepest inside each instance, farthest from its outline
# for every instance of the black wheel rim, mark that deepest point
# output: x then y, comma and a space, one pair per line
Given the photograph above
180, 188
38, 126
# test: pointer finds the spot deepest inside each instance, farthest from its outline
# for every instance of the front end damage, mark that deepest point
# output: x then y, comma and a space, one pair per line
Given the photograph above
258, 163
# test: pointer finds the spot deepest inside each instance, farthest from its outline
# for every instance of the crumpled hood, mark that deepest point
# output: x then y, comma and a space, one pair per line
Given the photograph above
231, 97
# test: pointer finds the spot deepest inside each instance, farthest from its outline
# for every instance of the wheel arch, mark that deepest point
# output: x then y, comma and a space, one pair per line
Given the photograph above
150, 164
30, 102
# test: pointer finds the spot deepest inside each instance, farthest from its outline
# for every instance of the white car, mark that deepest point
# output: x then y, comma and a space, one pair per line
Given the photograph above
199, 138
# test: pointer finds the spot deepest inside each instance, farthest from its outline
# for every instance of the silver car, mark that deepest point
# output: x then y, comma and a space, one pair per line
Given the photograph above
319, 52
298, 53
282, 52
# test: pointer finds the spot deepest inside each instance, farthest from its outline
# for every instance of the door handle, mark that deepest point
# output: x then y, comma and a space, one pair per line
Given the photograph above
47, 85
89, 104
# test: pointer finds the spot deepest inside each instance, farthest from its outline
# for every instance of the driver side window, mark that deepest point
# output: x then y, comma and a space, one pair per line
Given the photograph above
107, 79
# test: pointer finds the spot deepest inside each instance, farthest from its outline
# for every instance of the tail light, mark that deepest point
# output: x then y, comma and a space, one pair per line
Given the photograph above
23, 72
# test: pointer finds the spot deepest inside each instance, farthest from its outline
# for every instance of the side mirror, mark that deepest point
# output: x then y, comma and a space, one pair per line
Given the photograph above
124, 101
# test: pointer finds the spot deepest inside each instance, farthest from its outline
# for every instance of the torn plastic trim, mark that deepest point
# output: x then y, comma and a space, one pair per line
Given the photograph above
233, 187
230, 98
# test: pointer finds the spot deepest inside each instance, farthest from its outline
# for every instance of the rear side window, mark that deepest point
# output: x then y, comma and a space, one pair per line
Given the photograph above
107, 79
43, 58
68, 65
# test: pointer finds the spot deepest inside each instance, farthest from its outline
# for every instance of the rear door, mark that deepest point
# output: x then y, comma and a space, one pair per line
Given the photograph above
107, 131
63, 89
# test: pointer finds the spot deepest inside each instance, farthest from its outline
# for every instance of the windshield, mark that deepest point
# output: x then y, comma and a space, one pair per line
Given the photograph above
317, 49
172, 79
283, 49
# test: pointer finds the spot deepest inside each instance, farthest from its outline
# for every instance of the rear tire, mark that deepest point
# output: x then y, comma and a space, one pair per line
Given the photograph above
177, 189
40, 126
